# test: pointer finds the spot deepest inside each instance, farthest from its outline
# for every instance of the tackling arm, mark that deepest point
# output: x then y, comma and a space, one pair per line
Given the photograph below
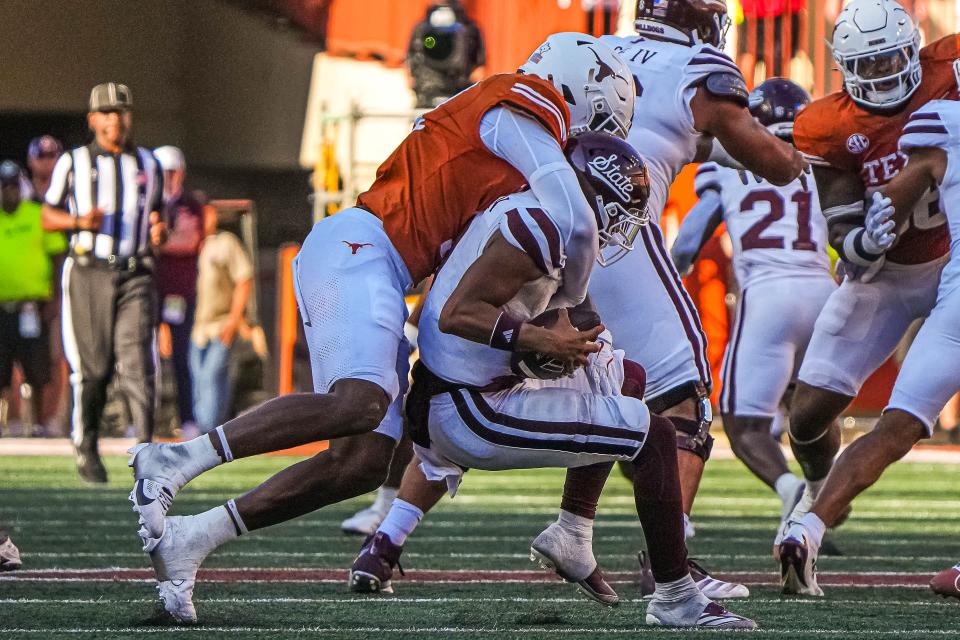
698, 226
473, 311
533, 151
745, 139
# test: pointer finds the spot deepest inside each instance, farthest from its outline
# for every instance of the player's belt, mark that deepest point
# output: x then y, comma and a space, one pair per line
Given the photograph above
426, 385
130, 264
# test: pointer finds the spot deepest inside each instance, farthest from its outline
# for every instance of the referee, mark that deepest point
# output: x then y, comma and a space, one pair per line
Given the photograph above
108, 195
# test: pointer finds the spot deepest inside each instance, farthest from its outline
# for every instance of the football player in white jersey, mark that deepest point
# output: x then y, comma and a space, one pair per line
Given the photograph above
779, 239
690, 95
466, 409
930, 374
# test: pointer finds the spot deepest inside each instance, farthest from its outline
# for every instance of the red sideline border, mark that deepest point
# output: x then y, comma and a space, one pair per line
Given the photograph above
438, 576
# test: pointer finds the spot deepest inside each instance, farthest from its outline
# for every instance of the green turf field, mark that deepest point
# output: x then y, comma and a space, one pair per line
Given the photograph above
901, 532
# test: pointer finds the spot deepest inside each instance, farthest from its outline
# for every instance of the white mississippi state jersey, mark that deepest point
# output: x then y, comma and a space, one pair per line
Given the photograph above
667, 74
937, 124
775, 231
525, 225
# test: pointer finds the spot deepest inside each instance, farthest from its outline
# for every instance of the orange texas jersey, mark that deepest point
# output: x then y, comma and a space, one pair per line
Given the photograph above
442, 174
834, 131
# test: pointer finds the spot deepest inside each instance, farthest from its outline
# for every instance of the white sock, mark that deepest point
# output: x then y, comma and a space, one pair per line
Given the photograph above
197, 456
814, 487
815, 527
575, 525
688, 530
676, 591
385, 498
786, 486
400, 522
216, 527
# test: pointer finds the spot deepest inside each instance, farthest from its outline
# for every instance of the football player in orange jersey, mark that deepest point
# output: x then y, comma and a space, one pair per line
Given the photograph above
350, 278
851, 139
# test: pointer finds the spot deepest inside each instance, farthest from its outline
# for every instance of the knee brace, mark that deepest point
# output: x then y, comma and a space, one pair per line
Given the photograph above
692, 435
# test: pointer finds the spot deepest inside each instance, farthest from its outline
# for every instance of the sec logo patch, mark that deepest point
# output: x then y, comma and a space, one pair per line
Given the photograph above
858, 143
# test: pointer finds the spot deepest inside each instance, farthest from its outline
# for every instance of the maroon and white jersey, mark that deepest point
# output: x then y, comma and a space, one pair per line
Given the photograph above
525, 225
667, 71
775, 231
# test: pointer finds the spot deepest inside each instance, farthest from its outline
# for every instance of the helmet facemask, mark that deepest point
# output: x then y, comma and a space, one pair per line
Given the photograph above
883, 77
622, 225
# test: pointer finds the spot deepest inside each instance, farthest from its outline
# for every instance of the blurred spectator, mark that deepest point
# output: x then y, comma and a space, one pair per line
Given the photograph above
9, 554
109, 296
177, 275
445, 51
753, 34
224, 284
601, 16
26, 288
42, 156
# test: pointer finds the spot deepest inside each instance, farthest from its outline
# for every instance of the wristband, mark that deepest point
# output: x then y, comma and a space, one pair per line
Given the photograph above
855, 252
76, 225
506, 330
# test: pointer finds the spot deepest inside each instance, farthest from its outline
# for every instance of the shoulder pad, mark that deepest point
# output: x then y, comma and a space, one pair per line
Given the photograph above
728, 85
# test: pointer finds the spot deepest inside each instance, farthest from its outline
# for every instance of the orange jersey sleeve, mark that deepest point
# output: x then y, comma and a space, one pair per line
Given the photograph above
433, 184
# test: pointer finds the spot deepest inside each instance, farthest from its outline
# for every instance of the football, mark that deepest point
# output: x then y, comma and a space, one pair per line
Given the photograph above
530, 364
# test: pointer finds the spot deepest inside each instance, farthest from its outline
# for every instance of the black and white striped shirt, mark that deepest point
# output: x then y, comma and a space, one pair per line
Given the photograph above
126, 186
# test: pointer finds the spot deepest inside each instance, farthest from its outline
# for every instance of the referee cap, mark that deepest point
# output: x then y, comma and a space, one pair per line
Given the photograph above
10, 172
170, 158
111, 96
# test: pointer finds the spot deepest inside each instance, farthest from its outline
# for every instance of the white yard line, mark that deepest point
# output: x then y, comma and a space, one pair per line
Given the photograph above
472, 630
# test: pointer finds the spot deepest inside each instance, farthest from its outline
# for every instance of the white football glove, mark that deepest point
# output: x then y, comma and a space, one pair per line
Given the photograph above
604, 369
879, 224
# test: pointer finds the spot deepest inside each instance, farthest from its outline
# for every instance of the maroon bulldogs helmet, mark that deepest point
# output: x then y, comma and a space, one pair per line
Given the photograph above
615, 181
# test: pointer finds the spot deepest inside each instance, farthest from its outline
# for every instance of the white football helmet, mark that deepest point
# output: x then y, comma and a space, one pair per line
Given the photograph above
593, 79
877, 46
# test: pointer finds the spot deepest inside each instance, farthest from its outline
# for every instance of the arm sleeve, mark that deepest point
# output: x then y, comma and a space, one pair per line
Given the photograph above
698, 225
536, 154
59, 190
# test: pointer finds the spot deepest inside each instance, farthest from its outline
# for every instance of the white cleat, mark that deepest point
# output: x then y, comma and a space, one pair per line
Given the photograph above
156, 469
798, 563
364, 522
571, 558
696, 611
9, 555
714, 588
176, 558
800, 508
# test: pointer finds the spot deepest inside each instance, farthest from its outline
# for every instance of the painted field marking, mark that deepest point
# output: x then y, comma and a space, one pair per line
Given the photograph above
474, 630
836, 579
